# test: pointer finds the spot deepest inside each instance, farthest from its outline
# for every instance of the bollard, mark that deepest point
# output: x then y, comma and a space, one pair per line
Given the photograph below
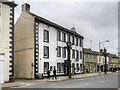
1, 69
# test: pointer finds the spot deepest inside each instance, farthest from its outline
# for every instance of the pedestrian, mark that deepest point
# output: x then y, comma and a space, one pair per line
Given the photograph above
48, 73
54, 73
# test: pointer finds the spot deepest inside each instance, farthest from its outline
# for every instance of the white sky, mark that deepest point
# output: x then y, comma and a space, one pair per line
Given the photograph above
96, 20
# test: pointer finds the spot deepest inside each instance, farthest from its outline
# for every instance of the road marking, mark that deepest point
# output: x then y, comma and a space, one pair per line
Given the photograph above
29, 84
102, 81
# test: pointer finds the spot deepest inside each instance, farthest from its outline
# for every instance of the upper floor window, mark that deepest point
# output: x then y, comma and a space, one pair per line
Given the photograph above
46, 52
58, 35
63, 37
68, 38
64, 52
80, 42
80, 54
73, 54
76, 41
77, 55
73, 40
46, 36
58, 51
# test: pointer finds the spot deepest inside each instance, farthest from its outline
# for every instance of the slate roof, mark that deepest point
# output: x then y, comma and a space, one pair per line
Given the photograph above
43, 20
113, 56
10, 3
89, 51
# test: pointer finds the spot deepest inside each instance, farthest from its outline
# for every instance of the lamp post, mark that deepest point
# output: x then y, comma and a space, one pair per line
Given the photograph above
99, 53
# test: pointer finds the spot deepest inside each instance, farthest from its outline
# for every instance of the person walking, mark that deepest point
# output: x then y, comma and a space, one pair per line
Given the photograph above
48, 73
54, 73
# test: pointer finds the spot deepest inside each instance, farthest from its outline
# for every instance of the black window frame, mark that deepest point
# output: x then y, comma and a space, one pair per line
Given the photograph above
76, 41
73, 54
68, 38
64, 52
58, 35
80, 54
63, 36
45, 71
58, 51
80, 42
77, 55
73, 40
44, 39
47, 52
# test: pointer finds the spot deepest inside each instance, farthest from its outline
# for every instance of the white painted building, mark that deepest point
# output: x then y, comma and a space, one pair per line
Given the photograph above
40, 45
7, 37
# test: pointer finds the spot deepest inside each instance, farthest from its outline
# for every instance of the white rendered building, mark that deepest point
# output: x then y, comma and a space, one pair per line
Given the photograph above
7, 37
40, 45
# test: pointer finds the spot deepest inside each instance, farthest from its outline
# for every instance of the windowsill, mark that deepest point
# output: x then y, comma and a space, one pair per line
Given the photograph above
46, 41
46, 57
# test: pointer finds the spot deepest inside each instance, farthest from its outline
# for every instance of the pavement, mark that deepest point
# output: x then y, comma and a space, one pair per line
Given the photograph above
23, 82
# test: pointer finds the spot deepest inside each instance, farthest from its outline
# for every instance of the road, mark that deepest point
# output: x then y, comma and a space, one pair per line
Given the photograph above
102, 81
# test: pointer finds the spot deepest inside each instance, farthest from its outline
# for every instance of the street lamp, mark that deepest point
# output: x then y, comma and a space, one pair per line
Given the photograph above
99, 52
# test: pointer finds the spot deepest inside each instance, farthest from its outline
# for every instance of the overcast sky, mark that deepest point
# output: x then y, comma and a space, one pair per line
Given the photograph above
96, 21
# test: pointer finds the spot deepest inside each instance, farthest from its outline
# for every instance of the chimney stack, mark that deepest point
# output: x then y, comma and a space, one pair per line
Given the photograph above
73, 29
26, 7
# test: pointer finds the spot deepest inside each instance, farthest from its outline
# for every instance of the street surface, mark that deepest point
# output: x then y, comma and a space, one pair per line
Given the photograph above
103, 81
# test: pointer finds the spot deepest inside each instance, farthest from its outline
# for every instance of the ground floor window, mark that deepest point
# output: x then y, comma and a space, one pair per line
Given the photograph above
60, 67
77, 67
81, 67
46, 67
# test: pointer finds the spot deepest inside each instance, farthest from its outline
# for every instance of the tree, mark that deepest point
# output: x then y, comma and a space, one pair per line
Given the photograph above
105, 54
68, 57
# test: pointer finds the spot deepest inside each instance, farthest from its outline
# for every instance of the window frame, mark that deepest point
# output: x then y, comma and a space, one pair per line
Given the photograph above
58, 51
47, 47
63, 52
45, 71
58, 35
44, 38
63, 36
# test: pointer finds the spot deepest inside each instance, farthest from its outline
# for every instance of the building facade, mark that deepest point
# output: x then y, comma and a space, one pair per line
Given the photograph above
90, 61
7, 37
101, 62
41, 45
114, 61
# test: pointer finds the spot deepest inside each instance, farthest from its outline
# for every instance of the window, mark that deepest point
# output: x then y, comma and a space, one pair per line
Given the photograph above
80, 42
46, 36
58, 51
46, 67
73, 54
60, 67
81, 67
68, 38
46, 52
76, 41
80, 54
77, 67
58, 35
64, 52
73, 40
64, 37
77, 55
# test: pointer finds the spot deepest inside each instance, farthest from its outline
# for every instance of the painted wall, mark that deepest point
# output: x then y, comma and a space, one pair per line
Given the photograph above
24, 46
53, 43
4, 37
